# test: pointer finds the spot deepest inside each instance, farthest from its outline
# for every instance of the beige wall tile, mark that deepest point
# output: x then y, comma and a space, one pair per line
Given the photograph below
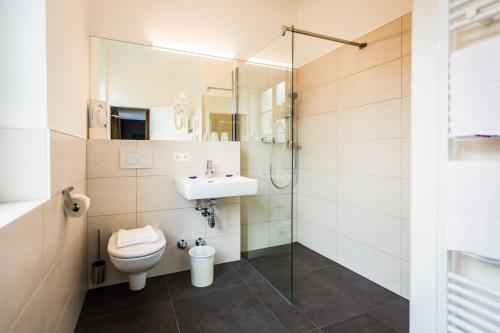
373, 85
317, 183
318, 156
375, 265
57, 228
318, 72
71, 312
163, 163
384, 44
107, 224
370, 157
406, 118
374, 121
407, 22
227, 221
373, 193
60, 280
176, 224
21, 269
67, 161
173, 260
112, 195
379, 231
31, 319
225, 155
158, 193
320, 128
406, 76
280, 232
103, 158
321, 99
317, 239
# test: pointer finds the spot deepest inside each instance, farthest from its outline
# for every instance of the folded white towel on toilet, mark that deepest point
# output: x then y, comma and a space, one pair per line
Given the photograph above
136, 236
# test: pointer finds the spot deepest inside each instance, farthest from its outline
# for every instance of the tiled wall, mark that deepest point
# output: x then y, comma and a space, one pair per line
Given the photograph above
354, 154
130, 198
44, 265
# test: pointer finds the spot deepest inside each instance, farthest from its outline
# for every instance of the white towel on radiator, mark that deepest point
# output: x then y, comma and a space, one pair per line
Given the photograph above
473, 210
474, 89
136, 236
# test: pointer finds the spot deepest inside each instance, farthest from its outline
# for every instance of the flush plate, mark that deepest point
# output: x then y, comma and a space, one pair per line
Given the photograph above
136, 158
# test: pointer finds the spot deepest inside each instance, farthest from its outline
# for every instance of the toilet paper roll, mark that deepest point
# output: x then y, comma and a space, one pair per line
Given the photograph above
83, 203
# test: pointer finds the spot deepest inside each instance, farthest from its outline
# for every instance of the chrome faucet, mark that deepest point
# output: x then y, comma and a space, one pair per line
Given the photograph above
210, 169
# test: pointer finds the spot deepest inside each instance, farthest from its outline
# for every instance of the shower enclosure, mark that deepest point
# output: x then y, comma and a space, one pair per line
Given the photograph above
265, 128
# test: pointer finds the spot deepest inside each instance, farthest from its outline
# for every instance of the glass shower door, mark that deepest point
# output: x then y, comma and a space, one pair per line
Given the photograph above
265, 130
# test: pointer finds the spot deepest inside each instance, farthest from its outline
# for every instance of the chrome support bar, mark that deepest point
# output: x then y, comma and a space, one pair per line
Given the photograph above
285, 28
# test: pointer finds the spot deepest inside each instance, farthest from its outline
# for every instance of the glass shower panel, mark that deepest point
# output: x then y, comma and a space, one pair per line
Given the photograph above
265, 130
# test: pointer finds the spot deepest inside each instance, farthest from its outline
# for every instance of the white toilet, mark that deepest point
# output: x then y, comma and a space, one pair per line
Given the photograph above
136, 260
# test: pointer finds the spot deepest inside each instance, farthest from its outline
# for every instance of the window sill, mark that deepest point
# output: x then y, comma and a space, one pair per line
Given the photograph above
10, 211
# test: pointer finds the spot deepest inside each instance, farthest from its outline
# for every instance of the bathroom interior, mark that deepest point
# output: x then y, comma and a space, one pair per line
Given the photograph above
232, 166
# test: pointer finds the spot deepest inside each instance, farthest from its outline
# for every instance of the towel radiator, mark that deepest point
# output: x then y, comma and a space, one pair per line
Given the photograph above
471, 303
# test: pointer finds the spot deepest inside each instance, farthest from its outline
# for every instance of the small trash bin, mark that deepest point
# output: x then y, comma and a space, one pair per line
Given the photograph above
202, 265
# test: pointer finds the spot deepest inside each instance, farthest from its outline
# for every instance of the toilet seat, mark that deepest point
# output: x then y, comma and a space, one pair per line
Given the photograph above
138, 250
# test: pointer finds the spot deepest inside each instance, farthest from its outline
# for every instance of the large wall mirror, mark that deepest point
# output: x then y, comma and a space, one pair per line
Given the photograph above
140, 92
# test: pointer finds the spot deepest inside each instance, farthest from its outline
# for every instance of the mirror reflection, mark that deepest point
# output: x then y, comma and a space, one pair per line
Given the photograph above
140, 92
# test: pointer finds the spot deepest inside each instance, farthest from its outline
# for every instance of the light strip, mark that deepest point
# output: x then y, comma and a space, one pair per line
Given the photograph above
169, 47
270, 63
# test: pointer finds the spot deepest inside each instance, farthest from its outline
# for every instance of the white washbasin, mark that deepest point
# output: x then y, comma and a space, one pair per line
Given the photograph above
214, 187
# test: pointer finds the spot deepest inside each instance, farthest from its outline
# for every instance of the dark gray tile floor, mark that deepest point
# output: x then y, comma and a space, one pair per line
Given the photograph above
327, 298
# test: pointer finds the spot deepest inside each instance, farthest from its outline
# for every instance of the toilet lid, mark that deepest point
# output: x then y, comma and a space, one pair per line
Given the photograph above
138, 250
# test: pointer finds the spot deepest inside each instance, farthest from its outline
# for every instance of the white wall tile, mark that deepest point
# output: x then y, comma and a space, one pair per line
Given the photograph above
107, 224
227, 221
103, 158
254, 209
227, 247
406, 158
173, 260
373, 121
163, 163
318, 156
406, 74
317, 183
375, 265
379, 231
406, 224
280, 206
406, 117
176, 224
262, 177
406, 211
158, 193
405, 289
225, 155
112, 195
280, 232
317, 239
374, 193
113, 276
370, 157
318, 212
254, 236
319, 128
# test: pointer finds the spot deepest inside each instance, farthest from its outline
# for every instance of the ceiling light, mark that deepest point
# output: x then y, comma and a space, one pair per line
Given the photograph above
270, 63
169, 47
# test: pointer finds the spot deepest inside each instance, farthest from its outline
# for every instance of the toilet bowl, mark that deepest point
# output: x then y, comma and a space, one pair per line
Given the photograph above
137, 259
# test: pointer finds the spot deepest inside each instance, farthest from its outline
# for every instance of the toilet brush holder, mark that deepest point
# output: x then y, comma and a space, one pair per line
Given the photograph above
99, 266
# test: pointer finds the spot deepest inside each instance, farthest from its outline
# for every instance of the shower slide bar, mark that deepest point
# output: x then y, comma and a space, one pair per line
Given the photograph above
285, 28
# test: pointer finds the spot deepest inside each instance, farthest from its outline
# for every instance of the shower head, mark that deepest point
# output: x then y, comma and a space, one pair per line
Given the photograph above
293, 96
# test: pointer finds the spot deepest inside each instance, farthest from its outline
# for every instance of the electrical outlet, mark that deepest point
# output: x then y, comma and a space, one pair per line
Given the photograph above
182, 157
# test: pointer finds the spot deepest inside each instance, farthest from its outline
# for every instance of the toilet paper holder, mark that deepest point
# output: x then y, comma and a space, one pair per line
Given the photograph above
68, 201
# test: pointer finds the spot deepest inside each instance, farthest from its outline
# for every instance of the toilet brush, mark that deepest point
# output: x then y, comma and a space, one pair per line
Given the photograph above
99, 266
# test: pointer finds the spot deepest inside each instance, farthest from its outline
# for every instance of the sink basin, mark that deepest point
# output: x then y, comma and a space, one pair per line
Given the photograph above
214, 187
